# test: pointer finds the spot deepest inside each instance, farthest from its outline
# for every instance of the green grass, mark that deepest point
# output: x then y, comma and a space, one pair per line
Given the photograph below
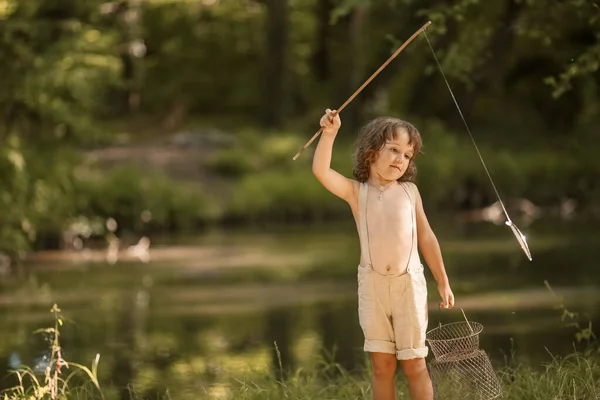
574, 377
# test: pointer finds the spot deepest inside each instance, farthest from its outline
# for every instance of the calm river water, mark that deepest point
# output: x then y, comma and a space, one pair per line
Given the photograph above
219, 301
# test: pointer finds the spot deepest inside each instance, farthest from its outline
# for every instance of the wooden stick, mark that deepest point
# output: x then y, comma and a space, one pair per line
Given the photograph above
365, 84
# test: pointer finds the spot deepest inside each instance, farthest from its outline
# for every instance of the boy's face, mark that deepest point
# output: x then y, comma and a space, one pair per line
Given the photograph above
393, 159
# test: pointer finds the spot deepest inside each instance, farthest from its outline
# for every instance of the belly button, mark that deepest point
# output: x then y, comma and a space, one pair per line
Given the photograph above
387, 268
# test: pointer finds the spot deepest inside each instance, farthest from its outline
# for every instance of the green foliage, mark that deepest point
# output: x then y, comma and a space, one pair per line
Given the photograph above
136, 199
254, 153
191, 45
277, 188
38, 192
12, 197
520, 69
231, 163
279, 197
53, 386
572, 319
63, 66
268, 186
574, 18
140, 200
450, 160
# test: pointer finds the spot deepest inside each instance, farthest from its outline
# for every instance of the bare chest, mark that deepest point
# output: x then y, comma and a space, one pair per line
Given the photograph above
389, 213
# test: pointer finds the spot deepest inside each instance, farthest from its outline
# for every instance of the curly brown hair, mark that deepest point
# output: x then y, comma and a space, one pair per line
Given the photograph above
373, 137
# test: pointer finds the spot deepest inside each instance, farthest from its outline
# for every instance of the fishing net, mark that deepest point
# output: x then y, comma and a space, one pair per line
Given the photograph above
460, 369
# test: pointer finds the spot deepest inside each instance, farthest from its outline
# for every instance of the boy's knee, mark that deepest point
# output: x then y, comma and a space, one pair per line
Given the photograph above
414, 367
384, 368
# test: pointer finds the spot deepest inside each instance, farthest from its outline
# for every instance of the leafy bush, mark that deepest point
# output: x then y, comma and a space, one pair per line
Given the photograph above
287, 196
138, 199
230, 163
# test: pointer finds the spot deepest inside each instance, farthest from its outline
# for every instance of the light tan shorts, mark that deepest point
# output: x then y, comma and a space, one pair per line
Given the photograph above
392, 311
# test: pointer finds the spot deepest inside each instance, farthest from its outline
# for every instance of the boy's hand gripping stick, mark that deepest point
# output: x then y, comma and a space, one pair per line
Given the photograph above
365, 84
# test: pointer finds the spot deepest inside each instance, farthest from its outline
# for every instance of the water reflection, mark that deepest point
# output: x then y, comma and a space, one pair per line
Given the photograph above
195, 315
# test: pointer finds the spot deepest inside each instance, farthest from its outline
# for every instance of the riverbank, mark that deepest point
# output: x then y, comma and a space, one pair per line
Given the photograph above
572, 377
200, 179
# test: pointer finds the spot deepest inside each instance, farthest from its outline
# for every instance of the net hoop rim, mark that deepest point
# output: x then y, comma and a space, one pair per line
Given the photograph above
476, 328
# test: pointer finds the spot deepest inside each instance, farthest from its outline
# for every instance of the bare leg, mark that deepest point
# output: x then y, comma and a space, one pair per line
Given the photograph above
419, 383
384, 369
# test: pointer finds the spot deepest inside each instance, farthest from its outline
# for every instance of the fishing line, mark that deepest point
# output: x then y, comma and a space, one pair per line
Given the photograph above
518, 235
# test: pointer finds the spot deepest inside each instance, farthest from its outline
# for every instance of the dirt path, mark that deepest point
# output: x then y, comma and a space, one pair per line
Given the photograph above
180, 163
181, 155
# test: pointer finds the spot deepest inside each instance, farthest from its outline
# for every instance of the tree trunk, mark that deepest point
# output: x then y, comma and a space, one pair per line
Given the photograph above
321, 62
349, 69
274, 101
363, 69
129, 13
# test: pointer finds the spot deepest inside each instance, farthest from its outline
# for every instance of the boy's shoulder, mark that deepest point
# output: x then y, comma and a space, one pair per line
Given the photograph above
413, 188
412, 185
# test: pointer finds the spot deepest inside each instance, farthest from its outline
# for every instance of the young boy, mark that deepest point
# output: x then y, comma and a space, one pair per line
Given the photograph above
387, 208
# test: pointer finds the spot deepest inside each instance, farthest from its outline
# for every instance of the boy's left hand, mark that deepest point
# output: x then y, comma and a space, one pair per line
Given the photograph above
446, 295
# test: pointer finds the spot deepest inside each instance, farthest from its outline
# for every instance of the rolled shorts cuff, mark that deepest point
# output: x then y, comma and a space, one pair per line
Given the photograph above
409, 354
380, 346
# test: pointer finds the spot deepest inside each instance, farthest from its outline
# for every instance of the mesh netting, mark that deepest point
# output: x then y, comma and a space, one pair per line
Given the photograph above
454, 340
469, 378
460, 369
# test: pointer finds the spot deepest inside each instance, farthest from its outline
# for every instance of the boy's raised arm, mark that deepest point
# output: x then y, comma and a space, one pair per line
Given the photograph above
333, 181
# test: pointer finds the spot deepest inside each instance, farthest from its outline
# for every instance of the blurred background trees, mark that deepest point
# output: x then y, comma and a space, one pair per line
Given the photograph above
78, 75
